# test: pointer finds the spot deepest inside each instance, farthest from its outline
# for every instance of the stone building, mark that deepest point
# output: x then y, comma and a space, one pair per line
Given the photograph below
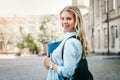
102, 25
10, 31
104, 20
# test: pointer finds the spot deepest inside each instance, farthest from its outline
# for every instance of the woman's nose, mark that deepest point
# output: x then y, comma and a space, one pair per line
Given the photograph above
64, 21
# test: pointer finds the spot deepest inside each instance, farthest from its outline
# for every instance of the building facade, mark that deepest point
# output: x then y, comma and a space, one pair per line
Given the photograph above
10, 28
104, 17
103, 26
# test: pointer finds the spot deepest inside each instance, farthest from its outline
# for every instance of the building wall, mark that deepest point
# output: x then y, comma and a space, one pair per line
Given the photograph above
97, 26
100, 26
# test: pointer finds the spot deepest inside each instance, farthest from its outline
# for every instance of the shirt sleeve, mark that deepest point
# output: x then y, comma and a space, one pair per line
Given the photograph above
71, 57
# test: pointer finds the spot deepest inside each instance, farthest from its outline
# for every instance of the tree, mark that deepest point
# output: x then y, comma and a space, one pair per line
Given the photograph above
8, 36
47, 29
30, 43
27, 41
21, 42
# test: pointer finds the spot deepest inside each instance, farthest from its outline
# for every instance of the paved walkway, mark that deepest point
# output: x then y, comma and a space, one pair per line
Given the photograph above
22, 68
29, 67
7, 56
12, 56
105, 67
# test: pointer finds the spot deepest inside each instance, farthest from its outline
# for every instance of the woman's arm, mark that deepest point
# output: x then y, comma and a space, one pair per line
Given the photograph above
72, 54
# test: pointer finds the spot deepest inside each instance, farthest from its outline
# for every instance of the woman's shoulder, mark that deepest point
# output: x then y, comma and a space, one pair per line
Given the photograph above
73, 41
74, 44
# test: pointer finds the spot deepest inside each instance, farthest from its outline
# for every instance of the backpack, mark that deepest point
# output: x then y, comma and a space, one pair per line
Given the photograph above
81, 72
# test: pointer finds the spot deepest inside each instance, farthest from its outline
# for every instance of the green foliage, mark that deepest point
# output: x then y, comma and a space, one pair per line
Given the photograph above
29, 39
32, 46
18, 54
41, 27
28, 42
43, 37
20, 45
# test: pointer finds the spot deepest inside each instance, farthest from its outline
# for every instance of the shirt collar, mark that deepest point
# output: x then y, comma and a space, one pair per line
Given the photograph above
69, 34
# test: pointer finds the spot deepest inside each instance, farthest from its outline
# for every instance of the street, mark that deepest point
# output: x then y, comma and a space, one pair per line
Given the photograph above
31, 68
22, 68
105, 67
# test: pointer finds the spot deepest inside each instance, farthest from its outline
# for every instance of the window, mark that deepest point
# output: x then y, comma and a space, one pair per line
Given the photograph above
97, 8
103, 6
118, 3
116, 31
20, 28
119, 35
114, 4
110, 5
105, 38
92, 38
0, 45
98, 38
113, 36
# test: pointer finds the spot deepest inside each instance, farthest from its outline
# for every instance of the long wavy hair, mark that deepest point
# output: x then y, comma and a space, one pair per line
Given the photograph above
78, 26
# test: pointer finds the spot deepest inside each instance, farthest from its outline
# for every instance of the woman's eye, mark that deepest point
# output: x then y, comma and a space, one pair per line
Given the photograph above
61, 18
68, 18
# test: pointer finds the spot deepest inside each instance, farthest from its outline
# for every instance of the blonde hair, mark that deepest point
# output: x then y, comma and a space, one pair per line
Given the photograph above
78, 26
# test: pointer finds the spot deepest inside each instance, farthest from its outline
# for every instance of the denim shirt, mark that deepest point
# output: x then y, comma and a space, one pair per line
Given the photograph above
71, 57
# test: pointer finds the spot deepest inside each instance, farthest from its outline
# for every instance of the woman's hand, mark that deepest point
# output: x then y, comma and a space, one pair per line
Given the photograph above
47, 62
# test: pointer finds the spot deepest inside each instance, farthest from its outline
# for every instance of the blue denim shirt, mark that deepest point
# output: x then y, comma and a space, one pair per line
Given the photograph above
72, 55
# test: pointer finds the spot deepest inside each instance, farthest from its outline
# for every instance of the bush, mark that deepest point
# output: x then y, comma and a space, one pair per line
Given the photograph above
18, 54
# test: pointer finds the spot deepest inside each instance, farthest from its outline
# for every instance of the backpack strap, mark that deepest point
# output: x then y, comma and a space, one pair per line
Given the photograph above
65, 78
83, 58
64, 45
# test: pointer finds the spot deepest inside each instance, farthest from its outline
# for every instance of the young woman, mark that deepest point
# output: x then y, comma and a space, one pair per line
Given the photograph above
72, 24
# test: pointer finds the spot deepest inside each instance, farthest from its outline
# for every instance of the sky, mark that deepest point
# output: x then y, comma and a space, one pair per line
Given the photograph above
32, 7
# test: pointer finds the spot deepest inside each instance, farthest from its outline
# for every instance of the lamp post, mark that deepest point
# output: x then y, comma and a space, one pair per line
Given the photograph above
107, 14
93, 27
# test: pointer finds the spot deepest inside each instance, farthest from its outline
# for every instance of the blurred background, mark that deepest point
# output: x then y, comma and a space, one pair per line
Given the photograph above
27, 26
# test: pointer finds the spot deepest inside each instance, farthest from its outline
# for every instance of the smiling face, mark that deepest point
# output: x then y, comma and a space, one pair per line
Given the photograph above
67, 20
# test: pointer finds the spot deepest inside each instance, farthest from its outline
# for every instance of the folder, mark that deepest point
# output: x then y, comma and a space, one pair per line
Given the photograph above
51, 47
